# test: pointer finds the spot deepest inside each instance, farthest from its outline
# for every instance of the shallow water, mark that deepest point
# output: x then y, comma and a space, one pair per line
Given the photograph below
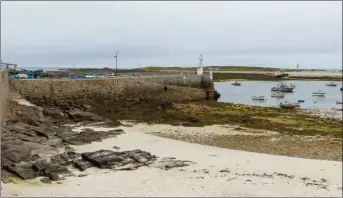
303, 91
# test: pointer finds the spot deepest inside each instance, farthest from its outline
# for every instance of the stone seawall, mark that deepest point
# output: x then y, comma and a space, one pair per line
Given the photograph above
179, 88
4, 92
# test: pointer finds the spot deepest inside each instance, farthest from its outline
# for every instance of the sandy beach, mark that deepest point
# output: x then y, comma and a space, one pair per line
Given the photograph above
216, 172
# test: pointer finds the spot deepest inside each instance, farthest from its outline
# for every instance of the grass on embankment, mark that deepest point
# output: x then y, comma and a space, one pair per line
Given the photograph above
285, 121
221, 68
228, 68
323, 78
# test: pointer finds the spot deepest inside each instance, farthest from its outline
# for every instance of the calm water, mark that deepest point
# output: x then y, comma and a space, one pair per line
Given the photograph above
303, 91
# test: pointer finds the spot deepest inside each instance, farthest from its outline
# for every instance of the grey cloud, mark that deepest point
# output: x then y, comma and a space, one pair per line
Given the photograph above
168, 33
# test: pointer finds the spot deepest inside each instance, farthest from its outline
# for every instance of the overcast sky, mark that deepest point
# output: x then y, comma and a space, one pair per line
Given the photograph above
87, 34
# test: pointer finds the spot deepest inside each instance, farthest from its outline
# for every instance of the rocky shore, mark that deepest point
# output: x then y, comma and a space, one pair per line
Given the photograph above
35, 143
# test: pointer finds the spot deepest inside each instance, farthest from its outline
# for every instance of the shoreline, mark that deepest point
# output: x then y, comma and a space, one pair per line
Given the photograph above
241, 138
250, 174
231, 144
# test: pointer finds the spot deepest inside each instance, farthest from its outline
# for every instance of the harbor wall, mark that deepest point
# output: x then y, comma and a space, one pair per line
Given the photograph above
4, 94
130, 88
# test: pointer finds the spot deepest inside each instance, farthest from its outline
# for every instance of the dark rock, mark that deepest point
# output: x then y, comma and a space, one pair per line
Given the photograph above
66, 158
35, 157
46, 180
116, 147
103, 158
24, 170
82, 175
169, 164
128, 167
68, 148
80, 116
17, 155
55, 141
115, 132
6, 179
86, 136
39, 130
82, 164
43, 168
5, 161
54, 113
54, 176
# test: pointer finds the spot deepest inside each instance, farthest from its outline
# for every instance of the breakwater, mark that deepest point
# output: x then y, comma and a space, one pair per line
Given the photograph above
162, 88
3, 93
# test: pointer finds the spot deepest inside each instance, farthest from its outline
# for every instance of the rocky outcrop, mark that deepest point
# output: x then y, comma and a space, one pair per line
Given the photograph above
33, 136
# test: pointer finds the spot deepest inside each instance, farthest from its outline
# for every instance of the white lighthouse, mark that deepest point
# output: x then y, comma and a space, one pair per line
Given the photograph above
200, 68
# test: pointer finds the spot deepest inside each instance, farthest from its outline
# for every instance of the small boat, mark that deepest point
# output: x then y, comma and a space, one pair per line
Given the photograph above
258, 98
276, 89
338, 102
318, 93
341, 88
300, 101
277, 95
331, 84
287, 89
236, 84
283, 87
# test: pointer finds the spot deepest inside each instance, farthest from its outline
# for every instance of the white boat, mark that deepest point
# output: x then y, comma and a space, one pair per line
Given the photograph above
277, 95
283, 87
318, 93
331, 84
258, 98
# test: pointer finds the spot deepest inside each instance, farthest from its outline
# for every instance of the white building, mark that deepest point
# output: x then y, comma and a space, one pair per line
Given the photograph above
200, 68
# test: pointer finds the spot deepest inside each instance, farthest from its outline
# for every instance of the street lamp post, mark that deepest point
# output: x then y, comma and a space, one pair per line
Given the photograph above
116, 56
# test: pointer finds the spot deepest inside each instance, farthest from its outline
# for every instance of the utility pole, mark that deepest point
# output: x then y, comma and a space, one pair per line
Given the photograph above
116, 56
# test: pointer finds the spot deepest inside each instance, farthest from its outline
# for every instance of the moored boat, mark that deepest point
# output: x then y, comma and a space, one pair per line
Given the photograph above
331, 84
276, 89
282, 87
277, 95
236, 84
318, 93
338, 102
287, 89
258, 97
